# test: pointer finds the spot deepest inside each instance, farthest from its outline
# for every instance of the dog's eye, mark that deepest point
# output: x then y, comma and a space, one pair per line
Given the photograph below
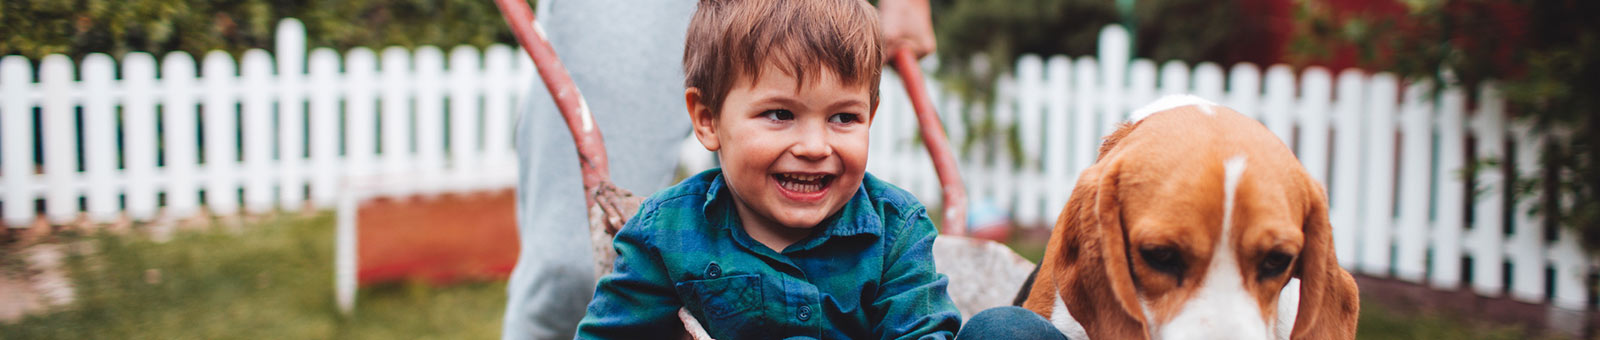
1164, 259
1275, 263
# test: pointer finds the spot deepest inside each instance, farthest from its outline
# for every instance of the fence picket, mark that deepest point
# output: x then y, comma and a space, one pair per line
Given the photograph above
221, 133
1450, 209
1115, 46
179, 126
1275, 111
1141, 83
1174, 78
60, 141
1058, 120
1086, 142
1525, 249
464, 110
257, 89
1345, 182
99, 139
1208, 81
290, 56
430, 123
1030, 121
361, 125
1316, 90
1379, 176
1244, 90
325, 89
16, 156
497, 100
1488, 226
139, 134
1416, 151
397, 113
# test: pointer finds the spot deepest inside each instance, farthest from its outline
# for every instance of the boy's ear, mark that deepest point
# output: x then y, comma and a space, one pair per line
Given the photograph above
704, 121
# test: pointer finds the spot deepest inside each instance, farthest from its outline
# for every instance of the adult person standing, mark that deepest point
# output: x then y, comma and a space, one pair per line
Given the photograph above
626, 56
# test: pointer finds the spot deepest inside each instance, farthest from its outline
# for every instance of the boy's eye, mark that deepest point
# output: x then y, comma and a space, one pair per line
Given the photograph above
844, 118
778, 114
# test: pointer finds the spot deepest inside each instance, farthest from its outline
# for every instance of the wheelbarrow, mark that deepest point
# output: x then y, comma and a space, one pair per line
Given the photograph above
982, 273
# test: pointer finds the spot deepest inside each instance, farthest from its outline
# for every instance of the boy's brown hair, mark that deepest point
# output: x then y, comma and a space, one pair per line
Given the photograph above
728, 39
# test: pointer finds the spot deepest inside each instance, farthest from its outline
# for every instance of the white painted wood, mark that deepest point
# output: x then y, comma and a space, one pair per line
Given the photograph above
257, 89
1174, 78
1141, 83
1058, 122
139, 134
360, 109
1346, 189
464, 111
16, 134
1244, 89
290, 55
60, 142
1276, 107
1316, 92
1379, 176
1450, 209
429, 119
1487, 243
1208, 81
397, 116
325, 89
1115, 47
1526, 248
1030, 115
180, 136
99, 139
221, 133
497, 100
1086, 142
1411, 238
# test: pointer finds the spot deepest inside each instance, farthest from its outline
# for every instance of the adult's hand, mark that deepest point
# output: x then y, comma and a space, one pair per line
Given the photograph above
906, 25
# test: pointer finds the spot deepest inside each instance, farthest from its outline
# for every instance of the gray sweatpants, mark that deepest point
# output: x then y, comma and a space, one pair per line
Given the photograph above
626, 57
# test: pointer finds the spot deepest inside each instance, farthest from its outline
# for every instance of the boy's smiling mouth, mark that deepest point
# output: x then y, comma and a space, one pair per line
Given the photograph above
804, 187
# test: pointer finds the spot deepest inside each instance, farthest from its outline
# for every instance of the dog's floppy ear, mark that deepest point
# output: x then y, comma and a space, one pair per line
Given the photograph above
1329, 299
1114, 243
1085, 268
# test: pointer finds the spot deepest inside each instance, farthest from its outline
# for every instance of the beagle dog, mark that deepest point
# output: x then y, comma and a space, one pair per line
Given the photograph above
1196, 222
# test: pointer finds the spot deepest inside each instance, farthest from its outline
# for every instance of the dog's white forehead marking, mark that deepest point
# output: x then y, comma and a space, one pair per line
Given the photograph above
1062, 319
1173, 101
1221, 308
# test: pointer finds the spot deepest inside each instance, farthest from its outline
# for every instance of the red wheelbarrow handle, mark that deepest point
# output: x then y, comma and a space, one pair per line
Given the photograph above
591, 147
944, 161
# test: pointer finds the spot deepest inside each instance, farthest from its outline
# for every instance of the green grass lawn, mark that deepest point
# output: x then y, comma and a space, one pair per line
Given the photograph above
274, 281
268, 281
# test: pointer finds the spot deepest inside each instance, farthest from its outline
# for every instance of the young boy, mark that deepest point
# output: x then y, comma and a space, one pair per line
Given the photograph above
791, 238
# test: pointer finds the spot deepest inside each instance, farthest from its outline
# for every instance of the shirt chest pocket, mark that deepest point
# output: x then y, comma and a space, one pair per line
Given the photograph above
721, 299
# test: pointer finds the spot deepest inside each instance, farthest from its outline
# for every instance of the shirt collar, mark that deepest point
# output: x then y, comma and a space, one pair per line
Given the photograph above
857, 217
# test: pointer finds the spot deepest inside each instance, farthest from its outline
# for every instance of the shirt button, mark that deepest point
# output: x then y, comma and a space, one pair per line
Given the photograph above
713, 271
805, 313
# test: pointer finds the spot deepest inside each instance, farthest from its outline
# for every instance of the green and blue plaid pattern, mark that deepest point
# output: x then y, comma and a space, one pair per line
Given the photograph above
865, 273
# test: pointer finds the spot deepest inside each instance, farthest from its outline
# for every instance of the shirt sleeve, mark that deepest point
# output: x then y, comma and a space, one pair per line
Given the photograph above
637, 298
913, 302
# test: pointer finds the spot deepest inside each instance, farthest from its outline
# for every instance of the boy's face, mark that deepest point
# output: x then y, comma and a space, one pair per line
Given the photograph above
792, 155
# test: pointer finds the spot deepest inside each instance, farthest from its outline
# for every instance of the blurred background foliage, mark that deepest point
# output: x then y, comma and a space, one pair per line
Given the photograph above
35, 28
1544, 55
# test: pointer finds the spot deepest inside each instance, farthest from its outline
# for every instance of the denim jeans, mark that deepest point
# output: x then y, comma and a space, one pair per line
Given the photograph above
1009, 322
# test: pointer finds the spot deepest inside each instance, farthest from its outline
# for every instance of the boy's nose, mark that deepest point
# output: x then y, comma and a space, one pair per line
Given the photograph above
812, 145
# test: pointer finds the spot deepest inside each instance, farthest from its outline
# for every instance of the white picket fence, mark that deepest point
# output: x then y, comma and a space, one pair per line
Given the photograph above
294, 131
1407, 220
262, 134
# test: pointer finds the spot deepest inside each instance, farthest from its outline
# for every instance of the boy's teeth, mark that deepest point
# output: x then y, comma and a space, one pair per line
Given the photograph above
802, 183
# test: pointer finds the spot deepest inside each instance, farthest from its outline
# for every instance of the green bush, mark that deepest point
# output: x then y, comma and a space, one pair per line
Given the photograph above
35, 28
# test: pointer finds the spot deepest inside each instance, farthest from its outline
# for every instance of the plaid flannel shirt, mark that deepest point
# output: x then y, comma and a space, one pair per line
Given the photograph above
865, 273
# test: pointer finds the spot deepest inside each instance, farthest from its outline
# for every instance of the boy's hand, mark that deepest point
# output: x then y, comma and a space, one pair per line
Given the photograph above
907, 25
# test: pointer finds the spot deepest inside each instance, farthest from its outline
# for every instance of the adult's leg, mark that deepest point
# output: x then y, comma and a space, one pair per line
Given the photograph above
625, 57
1009, 322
